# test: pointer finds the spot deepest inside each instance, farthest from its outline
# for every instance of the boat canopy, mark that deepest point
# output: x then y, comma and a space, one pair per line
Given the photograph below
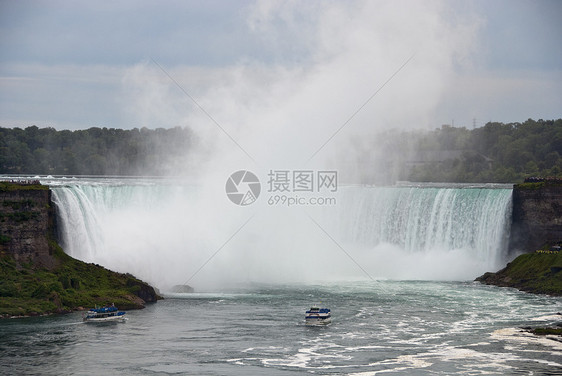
318, 310
104, 309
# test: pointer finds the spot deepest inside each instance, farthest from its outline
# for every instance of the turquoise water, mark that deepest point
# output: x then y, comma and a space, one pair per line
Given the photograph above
395, 327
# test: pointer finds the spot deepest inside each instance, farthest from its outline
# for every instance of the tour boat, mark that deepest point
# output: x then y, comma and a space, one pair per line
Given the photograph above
105, 314
318, 316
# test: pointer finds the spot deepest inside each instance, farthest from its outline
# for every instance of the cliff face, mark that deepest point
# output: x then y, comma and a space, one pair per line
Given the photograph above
26, 220
536, 217
37, 277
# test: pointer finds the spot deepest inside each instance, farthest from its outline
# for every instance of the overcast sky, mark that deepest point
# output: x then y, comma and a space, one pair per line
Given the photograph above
126, 64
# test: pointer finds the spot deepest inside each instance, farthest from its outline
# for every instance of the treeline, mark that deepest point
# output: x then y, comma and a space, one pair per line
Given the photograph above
94, 151
496, 152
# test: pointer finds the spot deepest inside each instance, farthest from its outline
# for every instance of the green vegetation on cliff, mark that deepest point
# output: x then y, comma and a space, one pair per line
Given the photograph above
36, 276
539, 272
538, 183
29, 289
547, 331
7, 186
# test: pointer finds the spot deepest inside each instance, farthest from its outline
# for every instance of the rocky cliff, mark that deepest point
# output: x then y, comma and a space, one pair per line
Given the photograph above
537, 215
37, 277
536, 226
538, 272
26, 219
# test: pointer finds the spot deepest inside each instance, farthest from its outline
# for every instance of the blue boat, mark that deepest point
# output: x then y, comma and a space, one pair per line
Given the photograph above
318, 316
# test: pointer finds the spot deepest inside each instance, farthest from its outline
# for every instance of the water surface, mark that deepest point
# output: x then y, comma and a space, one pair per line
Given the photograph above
395, 327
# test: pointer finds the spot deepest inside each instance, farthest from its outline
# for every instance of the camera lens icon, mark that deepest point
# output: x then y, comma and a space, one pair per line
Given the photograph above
243, 188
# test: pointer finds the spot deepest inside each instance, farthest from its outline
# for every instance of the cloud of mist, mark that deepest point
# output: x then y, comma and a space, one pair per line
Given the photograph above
281, 112
332, 58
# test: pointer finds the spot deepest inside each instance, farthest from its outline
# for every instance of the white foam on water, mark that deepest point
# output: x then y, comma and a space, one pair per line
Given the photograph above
555, 317
210, 295
367, 347
523, 340
321, 353
402, 363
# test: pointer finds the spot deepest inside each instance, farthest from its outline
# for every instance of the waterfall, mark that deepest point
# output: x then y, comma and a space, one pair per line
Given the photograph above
165, 232
424, 219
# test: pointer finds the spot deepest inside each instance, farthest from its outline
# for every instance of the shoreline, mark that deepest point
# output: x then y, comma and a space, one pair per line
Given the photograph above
537, 273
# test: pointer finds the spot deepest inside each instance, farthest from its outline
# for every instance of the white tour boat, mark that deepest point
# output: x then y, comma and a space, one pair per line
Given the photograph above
105, 314
318, 316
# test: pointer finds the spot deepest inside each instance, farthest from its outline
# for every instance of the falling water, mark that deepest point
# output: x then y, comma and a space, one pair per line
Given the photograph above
161, 233
424, 219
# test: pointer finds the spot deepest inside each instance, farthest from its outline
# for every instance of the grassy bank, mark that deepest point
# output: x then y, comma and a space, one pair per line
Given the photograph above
539, 272
27, 289
28, 185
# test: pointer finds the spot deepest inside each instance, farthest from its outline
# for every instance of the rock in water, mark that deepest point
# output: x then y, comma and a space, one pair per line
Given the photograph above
182, 289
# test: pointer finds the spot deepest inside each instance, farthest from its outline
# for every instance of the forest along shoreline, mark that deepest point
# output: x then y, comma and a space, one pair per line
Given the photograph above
37, 277
494, 153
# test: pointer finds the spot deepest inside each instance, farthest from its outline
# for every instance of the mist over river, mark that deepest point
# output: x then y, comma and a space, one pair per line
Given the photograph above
394, 264
169, 232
